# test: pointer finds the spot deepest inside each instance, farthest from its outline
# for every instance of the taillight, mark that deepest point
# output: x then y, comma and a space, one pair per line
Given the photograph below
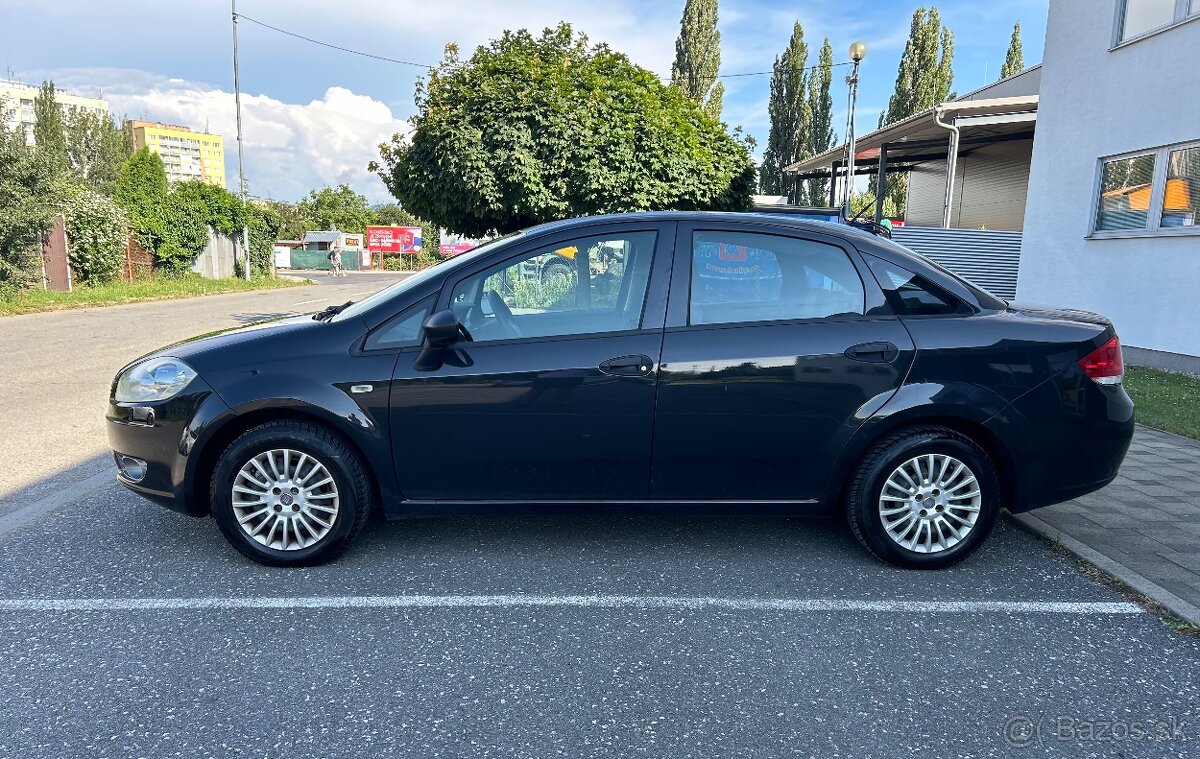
1104, 365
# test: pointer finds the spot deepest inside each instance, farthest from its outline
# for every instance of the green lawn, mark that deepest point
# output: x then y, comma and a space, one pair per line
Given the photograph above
1165, 400
113, 293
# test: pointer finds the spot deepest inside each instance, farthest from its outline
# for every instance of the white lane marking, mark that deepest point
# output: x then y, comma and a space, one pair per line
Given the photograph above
599, 602
314, 300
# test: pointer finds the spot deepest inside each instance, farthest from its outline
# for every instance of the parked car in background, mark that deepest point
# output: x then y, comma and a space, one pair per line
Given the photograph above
735, 363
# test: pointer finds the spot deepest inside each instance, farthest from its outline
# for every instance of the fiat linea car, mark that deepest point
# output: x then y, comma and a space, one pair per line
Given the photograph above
735, 363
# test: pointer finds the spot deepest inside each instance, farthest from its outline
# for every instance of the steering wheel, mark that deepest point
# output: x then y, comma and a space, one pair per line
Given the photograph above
503, 313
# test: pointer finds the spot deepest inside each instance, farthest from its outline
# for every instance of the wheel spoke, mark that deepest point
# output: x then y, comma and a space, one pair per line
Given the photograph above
255, 515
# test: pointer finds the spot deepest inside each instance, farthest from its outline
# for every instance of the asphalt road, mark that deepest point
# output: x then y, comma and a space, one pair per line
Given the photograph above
56, 368
501, 637
128, 630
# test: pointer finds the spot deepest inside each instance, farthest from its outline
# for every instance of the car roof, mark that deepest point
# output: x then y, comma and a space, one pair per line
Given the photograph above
797, 221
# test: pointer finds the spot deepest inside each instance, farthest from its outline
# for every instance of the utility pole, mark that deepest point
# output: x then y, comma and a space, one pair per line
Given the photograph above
237, 99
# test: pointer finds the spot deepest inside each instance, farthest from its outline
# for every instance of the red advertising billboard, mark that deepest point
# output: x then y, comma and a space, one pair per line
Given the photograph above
394, 240
453, 249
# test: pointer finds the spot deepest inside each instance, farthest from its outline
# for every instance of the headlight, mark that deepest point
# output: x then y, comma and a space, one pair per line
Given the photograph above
155, 380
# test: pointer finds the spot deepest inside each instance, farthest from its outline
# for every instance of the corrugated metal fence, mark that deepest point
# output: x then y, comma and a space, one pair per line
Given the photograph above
986, 257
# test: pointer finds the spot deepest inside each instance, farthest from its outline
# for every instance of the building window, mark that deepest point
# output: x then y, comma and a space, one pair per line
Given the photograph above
1150, 193
1181, 198
1125, 189
1140, 17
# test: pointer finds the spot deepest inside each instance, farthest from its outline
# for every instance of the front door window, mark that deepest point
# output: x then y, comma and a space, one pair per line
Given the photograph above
586, 286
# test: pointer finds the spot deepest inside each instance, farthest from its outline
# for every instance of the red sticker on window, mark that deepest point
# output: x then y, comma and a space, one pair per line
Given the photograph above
731, 252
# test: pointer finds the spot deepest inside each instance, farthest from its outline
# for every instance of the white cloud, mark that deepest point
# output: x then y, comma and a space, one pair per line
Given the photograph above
290, 147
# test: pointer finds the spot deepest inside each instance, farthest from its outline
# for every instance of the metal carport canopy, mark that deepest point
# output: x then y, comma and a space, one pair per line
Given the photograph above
911, 137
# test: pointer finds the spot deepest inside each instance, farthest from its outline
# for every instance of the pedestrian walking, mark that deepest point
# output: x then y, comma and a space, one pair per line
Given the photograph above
335, 263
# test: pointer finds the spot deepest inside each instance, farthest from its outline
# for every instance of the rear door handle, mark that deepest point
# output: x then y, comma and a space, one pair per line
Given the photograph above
628, 366
876, 353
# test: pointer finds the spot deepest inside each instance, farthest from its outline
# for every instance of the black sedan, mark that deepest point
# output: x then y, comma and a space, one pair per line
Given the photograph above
665, 362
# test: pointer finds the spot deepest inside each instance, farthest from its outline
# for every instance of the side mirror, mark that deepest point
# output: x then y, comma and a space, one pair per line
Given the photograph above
442, 329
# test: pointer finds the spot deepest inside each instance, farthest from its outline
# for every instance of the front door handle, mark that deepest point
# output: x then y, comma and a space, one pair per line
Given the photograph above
628, 366
875, 353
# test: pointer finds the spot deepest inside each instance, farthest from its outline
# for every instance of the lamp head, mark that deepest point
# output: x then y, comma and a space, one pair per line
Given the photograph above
858, 51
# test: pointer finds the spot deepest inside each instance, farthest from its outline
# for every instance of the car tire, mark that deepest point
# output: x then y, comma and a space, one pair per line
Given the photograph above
559, 269
910, 518
304, 515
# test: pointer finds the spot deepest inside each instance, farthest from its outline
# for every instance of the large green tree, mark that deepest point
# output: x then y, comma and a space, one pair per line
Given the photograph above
48, 133
820, 129
290, 222
533, 129
95, 148
926, 72
698, 56
339, 207
924, 79
791, 116
141, 189
1014, 62
28, 188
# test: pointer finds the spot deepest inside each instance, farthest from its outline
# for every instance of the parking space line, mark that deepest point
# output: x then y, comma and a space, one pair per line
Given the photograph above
598, 602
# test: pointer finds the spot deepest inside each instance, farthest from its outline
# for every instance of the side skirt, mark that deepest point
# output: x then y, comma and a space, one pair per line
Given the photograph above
438, 508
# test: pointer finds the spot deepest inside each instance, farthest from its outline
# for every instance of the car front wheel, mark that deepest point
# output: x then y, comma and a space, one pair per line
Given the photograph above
923, 498
290, 494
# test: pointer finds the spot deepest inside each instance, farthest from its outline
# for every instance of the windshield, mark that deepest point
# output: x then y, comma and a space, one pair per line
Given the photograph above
401, 287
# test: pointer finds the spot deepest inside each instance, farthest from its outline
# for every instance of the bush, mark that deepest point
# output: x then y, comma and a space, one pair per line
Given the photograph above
97, 232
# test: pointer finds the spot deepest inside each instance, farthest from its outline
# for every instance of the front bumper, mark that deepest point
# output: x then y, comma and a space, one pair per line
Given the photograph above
163, 434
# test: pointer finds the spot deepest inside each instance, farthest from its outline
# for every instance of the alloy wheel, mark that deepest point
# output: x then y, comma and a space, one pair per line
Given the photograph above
285, 499
930, 503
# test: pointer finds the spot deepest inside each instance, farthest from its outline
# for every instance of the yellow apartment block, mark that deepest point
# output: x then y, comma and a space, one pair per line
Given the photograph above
187, 155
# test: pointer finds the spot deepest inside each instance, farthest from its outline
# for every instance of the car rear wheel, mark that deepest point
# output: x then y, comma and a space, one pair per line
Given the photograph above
923, 498
290, 494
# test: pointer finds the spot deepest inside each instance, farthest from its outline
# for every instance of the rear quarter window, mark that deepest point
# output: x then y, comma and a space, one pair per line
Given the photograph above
910, 294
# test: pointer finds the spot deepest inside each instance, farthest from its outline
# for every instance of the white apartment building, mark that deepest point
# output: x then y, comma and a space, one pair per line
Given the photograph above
17, 109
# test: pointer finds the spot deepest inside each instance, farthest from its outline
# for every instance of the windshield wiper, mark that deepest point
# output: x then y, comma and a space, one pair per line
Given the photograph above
331, 311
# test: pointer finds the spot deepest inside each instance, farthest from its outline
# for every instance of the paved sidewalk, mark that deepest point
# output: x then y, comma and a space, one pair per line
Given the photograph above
1148, 520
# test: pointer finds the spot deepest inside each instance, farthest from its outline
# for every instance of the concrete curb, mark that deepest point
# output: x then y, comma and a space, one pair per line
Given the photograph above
1115, 569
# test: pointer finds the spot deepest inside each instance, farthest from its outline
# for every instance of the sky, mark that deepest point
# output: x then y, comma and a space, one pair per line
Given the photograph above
313, 116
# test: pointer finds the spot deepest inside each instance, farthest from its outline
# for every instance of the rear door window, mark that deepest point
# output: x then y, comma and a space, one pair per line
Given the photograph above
755, 277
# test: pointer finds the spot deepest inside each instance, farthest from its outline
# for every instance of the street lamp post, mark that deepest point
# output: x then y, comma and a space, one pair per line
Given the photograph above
858, 51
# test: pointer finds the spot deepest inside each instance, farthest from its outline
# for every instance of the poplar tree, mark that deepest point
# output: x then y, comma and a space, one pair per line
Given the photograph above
48, 133
1014, 62
789, 139
820, 129
923, 80
926, 69
698, 56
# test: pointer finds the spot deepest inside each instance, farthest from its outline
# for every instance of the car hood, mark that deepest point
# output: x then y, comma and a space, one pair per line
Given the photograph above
196, 349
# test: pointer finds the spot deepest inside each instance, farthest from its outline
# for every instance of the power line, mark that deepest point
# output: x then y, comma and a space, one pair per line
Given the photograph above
428, 66
331, 45
806, 68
